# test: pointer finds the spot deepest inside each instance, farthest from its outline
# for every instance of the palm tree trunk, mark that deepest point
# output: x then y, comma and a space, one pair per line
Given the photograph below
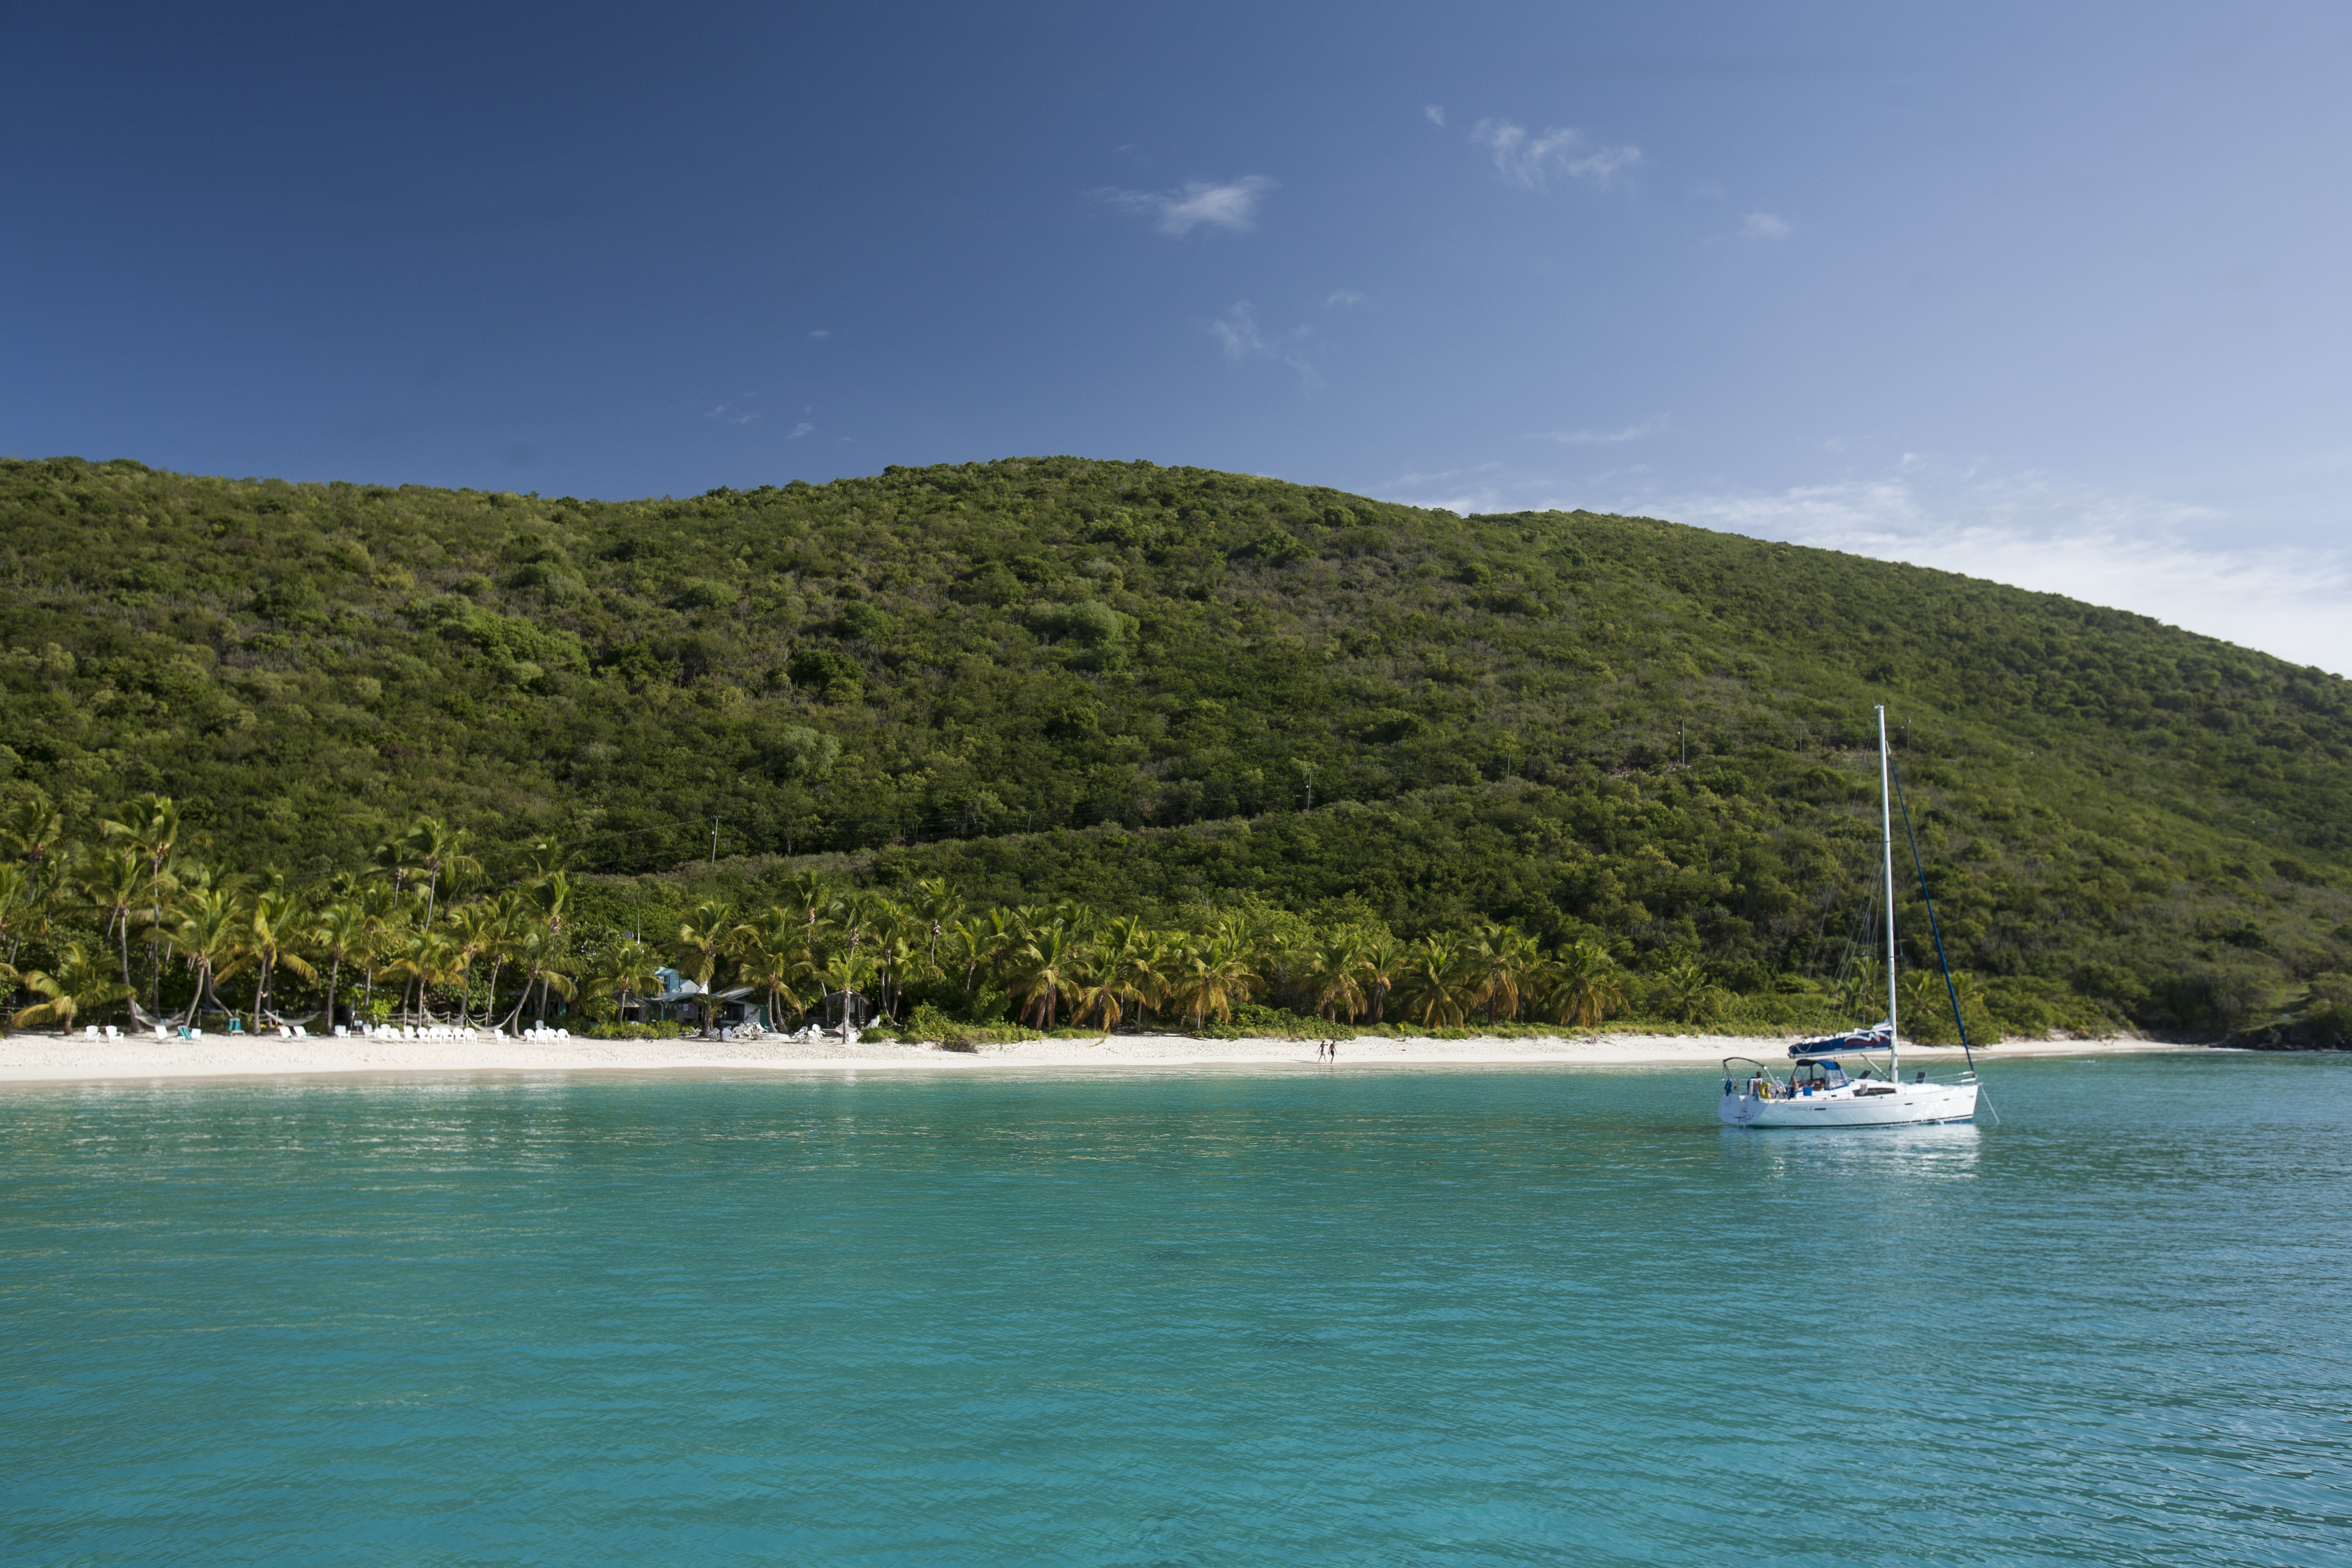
334, 975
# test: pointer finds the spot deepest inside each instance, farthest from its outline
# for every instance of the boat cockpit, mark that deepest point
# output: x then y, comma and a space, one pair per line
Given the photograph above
1815, 1076
1808, 1076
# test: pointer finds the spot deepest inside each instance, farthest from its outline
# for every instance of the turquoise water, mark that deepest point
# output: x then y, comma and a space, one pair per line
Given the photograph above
1509, 1316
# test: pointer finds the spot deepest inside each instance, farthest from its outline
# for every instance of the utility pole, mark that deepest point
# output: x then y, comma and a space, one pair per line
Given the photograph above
713, 863
1682, 727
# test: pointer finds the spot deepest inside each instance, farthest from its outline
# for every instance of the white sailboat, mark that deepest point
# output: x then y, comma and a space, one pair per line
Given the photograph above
1818, 1090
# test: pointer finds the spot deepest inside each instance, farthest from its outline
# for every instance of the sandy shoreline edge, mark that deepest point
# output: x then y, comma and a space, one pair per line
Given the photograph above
26, 1058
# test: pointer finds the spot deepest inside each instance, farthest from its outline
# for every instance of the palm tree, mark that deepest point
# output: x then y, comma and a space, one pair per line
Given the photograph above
477, 931
110, 886
813, 899
33, 830
427, 959
384, 915
773, 961
1863, 993
149, 827
1385, 958
937, 905
20, 917
843, 974
1504, 960
1685, 992
995, 939
342, 933
74, 985
210, 940
1439, 983
703, 939
623, 971
545, 961
433, 847
1585, 985
1124, 972
1927, 1005
1335, 974
274, 919
968, 946
548, 857
550, 893
1213, 974
1043, 969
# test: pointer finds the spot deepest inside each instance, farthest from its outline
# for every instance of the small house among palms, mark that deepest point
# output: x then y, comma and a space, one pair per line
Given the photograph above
684, 1000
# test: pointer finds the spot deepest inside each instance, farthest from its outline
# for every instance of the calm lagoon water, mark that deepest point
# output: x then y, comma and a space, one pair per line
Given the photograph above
1508, 1316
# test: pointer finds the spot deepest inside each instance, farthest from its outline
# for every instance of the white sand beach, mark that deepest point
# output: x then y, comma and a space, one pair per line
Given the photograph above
26, 1058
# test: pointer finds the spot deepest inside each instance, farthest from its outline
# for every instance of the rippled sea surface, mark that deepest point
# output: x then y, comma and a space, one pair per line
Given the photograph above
1508, 1316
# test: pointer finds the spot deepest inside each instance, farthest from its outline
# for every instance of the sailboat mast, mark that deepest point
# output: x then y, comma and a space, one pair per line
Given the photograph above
1886, 843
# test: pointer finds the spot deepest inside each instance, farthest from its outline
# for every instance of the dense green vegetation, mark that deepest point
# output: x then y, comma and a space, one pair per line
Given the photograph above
1172, 693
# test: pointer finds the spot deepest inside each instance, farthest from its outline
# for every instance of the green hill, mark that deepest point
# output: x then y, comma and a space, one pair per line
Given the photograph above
1144, 686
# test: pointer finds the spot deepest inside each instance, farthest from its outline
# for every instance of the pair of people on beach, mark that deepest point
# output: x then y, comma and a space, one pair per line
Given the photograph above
1327, 1050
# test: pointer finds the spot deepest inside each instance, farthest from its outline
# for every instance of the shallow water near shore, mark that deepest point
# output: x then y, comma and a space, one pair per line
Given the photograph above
1486, 1316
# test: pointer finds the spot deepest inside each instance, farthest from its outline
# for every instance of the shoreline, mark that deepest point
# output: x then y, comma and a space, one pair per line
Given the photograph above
35, 1059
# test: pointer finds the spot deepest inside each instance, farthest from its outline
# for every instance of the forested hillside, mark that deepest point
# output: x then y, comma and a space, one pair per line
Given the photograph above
1147, 687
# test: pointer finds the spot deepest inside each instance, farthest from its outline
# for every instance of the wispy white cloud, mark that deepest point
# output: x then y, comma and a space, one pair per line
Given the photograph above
732, 413
2166, 559
801, 430
2173, 562
1531, 161
1243, 339
821, 332
1345, 297
1199, 204
1461, 490
1764, 225
1435, 112
1604, 437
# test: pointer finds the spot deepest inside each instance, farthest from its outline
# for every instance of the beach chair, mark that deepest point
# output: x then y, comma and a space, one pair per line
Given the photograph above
300, 1033
284, 1033
112, 1033
91, 1033
237, 1026
341, 1032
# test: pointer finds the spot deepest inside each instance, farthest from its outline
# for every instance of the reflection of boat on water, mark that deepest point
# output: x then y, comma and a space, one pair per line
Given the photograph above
1818, 1090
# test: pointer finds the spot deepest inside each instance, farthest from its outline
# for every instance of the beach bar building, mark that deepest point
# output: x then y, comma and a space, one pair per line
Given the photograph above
682, 1001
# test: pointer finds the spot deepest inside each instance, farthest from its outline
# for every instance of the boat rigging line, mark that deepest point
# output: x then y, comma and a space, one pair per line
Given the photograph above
1943, 963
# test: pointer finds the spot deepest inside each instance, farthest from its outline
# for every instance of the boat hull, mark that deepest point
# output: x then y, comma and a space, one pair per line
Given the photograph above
1911, 1105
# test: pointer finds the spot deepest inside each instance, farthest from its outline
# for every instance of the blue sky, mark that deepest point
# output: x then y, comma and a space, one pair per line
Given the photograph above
2050, 294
